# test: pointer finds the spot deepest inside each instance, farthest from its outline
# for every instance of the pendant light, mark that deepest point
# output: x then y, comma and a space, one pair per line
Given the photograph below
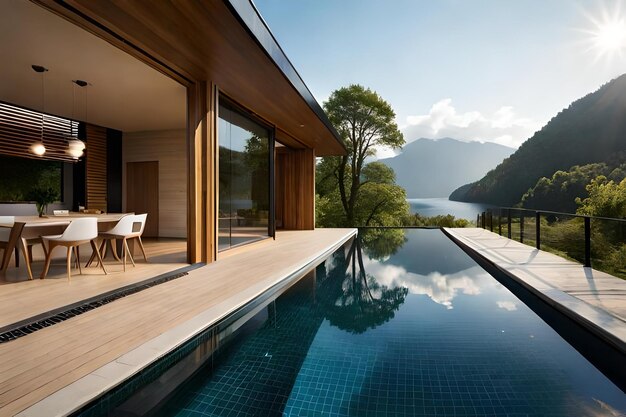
76, 147
38, 147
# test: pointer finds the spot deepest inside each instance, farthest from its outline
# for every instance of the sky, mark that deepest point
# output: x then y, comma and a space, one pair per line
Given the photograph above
486, 70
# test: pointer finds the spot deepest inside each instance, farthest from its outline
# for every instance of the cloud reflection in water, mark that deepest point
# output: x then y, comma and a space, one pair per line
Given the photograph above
442, 289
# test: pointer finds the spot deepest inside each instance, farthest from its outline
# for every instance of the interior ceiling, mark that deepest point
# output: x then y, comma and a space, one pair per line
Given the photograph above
123, 93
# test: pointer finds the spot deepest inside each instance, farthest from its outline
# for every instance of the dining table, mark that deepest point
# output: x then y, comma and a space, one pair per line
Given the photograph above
32, 227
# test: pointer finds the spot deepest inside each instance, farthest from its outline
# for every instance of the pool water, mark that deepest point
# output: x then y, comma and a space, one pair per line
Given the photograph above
398, 323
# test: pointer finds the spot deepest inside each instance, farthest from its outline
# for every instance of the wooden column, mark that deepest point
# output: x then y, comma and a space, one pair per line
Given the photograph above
295, 188
196, 149
211, 173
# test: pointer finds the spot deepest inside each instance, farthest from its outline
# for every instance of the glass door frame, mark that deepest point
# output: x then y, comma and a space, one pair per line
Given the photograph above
224, 99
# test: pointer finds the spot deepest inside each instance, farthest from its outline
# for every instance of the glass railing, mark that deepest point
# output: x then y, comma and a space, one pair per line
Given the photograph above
597, 242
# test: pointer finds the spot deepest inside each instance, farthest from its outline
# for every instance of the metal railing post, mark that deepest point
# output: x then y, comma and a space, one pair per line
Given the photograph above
538, 229
490, 221
509, 223
588, 241
482, 223
478, 220
500, 222
521, 227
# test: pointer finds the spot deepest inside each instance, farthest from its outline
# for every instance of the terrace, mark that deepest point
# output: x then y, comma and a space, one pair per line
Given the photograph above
111, 120
62, 367
197, 118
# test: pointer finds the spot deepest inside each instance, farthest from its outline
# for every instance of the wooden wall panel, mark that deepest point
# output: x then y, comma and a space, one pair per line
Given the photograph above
169, 148
142, 193
295, 188
96, 168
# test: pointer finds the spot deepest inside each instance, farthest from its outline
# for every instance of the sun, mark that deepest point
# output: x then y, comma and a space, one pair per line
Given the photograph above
610, 36
606, 32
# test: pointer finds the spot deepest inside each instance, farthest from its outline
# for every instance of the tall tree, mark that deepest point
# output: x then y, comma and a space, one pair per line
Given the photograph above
364, 120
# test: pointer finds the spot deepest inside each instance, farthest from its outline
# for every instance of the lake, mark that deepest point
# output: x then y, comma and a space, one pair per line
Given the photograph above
441, 206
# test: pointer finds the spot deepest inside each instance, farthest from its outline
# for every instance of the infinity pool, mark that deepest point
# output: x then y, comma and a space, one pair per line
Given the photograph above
399, 323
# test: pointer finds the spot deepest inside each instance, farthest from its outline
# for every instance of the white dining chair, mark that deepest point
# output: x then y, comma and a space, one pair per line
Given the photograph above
129, 227
78, 232
138, 226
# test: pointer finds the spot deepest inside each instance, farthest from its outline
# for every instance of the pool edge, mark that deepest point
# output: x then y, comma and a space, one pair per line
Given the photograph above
94, 385
588, 322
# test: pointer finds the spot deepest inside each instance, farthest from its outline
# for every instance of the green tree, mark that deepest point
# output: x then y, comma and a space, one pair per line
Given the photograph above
364, 120
559, 192
606, 199
381, 202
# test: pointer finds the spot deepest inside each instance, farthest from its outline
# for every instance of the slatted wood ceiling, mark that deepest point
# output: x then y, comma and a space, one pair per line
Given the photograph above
96, 168
20, 128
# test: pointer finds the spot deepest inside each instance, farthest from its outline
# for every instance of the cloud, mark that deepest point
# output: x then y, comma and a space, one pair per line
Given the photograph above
504, 126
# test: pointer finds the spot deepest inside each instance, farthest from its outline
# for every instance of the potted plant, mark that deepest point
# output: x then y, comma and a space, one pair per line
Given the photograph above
42, 197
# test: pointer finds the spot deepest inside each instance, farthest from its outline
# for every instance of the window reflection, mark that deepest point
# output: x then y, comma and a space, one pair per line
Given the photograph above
244, 175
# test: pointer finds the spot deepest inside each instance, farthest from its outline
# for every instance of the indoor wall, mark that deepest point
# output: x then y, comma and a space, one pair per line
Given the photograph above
168, 148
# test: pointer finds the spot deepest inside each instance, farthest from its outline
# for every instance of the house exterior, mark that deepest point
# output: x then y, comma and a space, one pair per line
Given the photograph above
188, 111
240, 158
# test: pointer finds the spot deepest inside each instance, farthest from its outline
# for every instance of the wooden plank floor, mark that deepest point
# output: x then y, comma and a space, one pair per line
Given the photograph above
35, 366
594, 296
21, 298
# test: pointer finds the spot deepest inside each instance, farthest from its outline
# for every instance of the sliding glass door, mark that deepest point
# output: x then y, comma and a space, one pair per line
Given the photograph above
244, 178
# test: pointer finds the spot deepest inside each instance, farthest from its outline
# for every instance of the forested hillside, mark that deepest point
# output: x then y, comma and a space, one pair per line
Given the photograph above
591, 130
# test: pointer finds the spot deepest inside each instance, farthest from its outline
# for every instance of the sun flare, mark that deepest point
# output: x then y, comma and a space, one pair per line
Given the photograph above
611, 36
606, 33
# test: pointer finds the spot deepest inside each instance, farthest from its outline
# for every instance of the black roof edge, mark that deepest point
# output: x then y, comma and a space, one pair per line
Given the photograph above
248, 15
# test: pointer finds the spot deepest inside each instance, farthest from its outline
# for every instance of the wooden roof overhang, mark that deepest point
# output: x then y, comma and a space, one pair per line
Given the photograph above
225, 42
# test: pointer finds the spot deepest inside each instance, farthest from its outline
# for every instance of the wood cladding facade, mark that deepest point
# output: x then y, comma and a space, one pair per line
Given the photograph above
295, 189
212, 49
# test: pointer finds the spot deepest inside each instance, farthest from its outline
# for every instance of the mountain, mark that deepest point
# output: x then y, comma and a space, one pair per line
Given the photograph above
434, 168
591, 130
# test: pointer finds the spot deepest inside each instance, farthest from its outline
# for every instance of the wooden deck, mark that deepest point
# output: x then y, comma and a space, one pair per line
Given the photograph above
55, 370
594, 298
21, 299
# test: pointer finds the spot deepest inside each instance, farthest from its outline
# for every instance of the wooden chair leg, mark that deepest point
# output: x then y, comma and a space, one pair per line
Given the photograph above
113, 243
93, 252
48, 259
80, 271
94, 247
30, 254
127, 250
69, 263
24, 246
143, 250
91, 259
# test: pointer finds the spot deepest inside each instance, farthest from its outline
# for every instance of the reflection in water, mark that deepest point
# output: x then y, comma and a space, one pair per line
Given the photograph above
441, 281
440, 288
507, 305
354, 300
359, 338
